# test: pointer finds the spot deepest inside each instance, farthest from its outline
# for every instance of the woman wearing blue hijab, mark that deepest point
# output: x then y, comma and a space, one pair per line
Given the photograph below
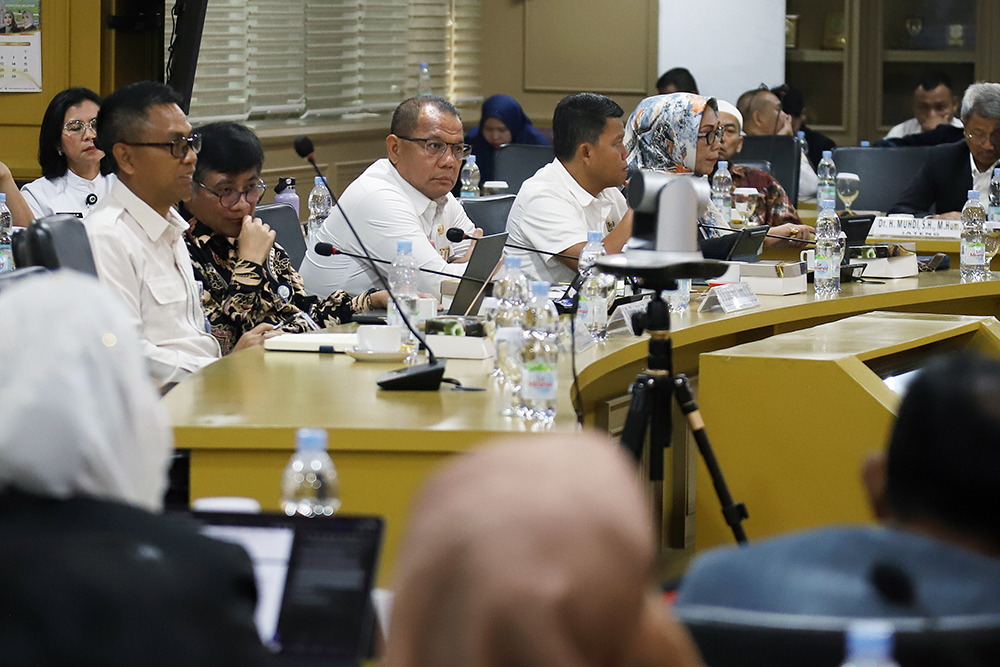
502, 122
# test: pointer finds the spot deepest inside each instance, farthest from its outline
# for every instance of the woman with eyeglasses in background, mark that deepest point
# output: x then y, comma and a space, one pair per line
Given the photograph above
248, 279
75, 175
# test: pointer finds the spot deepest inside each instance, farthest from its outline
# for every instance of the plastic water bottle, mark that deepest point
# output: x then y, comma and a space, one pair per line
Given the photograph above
803, 144
993, 214
284, 193
511, 292
827, 273
973, 266
470, 177
540, 357
423, 81
826, 171
722, 190
869, 644
320, 204
6, 225
595, 288
404, 279
309, 485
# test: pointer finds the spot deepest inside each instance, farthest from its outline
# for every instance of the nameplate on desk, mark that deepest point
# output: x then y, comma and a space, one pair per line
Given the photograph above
935, 228
730, 298
583, 340
625, 312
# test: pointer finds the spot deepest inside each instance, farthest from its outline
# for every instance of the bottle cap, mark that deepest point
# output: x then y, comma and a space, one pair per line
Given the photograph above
540, 288
404, 245
594, 236
723, 164
828, 154
996, 172
801, 134
284, 183
974, 195
318, 180
866, 144
869, 640
470, 160
512, 262
310, 440
829, 204
3, 197
423, 65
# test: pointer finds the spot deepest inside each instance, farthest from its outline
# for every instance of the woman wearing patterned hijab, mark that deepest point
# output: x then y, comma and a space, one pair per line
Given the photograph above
680, 134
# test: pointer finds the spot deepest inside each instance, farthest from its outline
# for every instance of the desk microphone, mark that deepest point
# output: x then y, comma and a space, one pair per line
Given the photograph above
771, 236
457, 235
424, 377
327, 250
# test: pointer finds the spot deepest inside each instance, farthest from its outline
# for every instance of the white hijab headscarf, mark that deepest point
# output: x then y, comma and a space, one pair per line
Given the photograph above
78, 414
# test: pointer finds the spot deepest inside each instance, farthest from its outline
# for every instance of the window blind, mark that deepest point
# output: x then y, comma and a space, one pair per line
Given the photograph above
297, 58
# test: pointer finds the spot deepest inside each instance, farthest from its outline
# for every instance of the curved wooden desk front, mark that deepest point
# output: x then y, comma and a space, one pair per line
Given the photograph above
238, 416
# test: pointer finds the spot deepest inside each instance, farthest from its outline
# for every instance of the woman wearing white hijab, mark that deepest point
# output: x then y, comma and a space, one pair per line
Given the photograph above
89, 574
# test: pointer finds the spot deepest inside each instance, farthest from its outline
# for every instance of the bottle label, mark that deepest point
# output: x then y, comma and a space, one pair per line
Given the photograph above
825, 269
467, 193
826, 191
973, 254
539, 382
583, 309
6, 258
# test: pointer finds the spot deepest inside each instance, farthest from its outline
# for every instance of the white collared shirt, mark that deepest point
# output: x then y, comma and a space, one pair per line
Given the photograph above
912, 126
142, 257
69, 193
385, 208
553, 212
981, 179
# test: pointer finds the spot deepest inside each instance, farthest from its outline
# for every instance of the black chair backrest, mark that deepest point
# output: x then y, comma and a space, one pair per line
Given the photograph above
516, 163
20, 248
287, 230
763, 165
884, 172
785, 156
489, 213
60, 242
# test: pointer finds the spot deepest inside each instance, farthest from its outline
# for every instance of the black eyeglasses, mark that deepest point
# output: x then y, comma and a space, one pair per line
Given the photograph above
79, 126
178, 147
711, 137
437, 147
229, 198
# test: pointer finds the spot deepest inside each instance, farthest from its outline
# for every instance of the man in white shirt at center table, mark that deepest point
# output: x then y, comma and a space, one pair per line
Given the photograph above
136, 236
405, 196
576, 193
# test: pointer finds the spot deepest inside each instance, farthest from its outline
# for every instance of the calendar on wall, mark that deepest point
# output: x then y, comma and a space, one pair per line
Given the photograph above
21, 47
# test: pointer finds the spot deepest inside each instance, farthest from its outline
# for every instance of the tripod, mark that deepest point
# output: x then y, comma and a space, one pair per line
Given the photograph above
651, 408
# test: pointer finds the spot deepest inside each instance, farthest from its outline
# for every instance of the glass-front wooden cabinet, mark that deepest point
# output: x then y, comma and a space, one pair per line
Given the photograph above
857, 62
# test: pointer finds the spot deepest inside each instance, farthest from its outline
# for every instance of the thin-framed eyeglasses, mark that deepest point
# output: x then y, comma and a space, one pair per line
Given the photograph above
229, 197
178, 147
437, 147
712, 136
80, 126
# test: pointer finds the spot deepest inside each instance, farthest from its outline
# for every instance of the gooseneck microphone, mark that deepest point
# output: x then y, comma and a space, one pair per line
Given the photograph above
424, 377
457, 235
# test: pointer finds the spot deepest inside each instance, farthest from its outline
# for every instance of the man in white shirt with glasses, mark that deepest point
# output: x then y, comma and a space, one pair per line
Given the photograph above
406, 196
137, 236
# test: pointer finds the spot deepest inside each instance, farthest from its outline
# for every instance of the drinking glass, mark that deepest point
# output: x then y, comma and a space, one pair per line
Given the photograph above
745, 202
848, 187
914, 26
992, 243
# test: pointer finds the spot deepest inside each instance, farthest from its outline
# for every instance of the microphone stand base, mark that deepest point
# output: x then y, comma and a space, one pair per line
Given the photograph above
425, 377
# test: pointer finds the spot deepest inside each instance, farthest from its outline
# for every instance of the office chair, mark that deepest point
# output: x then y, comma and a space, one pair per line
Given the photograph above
884, 172
516, 163
489, 213
784, 154
60, 242
19, 247
287, 230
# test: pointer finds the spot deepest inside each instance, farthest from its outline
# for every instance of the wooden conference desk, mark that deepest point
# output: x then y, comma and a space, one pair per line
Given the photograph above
238, 416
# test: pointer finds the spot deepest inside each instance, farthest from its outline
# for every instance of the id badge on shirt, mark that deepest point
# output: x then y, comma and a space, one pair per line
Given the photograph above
441, 243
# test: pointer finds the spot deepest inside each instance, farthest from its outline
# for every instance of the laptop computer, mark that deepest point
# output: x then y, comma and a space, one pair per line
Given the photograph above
314, 581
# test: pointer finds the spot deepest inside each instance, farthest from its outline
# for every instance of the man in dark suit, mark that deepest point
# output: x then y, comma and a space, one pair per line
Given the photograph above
934, 490
951, 170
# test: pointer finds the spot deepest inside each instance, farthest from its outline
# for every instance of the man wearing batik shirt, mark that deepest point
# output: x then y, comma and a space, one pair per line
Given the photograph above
247, 278
777, 210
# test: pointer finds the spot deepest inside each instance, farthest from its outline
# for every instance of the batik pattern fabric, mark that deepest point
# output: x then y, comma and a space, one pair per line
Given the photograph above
237, 294
777, 209
662, 135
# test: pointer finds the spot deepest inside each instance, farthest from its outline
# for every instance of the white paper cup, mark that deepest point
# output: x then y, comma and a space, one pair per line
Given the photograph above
378, 338
809, 257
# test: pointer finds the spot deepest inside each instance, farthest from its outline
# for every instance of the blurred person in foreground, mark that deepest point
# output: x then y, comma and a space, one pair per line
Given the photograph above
247, 278
532, 553
91, 572
934, 491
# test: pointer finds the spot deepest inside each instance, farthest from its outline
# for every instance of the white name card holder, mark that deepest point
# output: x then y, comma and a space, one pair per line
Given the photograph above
905, 226
583, 340
730, 298
625, 312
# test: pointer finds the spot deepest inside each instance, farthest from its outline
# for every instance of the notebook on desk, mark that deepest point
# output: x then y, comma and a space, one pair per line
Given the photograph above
314, 582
